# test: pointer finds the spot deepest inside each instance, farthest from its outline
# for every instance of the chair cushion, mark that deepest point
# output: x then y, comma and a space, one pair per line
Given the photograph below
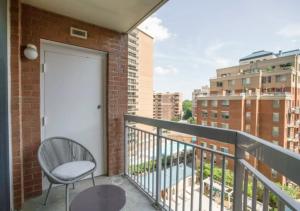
72, 170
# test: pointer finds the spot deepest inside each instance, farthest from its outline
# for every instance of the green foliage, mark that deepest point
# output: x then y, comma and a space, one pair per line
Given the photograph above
142, 167
187, 114
291, 191
191, 120
175, 119
186, 105
187, 109
217, 174
269, 69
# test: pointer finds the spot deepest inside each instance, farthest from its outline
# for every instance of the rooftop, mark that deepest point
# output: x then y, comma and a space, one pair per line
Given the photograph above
263, 53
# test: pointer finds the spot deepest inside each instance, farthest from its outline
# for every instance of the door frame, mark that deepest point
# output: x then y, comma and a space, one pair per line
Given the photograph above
44, 44
5, 173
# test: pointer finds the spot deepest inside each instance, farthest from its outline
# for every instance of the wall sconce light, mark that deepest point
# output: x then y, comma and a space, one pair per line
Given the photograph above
30, 52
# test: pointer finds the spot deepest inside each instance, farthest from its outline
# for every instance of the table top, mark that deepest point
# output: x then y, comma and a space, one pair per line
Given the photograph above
100, 197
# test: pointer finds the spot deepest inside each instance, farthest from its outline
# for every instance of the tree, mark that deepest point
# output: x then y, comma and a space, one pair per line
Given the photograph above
191, 120
187, 114
187, 109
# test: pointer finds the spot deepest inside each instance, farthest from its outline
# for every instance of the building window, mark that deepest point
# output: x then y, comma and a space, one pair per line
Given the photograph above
248, 115
276, 103
225, 103
275, 117
225, 125
224, 149
280, 78
204, 103
204, 114
246, 81
204, 145
248, 103
231, 82
225, 115
214, 114
274, 173
247, 155
219, 84
275, 131
214, 103
266, 79
214, 124
214, 147
204, 123
248, 128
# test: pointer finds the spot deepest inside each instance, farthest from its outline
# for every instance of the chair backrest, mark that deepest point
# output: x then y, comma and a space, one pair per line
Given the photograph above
55, 151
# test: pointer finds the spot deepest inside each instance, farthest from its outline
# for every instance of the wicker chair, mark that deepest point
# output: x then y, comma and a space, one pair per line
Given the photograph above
65, 161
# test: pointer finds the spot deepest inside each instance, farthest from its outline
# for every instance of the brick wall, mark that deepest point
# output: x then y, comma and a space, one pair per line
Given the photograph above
37, 24
16, 106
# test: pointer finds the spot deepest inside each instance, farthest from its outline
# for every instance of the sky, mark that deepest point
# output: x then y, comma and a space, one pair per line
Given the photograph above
193, 38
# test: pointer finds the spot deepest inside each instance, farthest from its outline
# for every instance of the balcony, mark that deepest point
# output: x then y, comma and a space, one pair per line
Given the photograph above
177, 175
57, 201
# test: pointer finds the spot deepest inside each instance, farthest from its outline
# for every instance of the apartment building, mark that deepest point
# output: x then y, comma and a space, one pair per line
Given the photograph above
167, 106
259, 96
203, 91
140, 73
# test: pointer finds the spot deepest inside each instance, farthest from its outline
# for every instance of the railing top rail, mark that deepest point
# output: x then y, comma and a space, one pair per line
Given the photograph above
271, 186
280, 159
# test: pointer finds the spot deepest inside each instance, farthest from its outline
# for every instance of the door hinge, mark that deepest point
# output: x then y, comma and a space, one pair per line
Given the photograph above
43, 121
43, 68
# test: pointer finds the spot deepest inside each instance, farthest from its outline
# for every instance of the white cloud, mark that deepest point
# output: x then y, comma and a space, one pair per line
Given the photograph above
155, 28
164, 71
214, 56
290, 30
213, 49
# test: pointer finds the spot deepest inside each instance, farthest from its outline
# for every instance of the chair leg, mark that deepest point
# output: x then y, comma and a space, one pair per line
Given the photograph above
48, 191
67, 197
93, 179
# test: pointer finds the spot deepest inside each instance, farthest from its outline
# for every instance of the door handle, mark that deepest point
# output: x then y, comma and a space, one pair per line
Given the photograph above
99, 106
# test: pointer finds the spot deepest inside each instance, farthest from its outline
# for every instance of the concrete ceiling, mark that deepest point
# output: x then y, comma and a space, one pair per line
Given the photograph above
118, 15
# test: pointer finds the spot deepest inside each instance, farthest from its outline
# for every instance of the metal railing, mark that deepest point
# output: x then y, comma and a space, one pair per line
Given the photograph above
178, 175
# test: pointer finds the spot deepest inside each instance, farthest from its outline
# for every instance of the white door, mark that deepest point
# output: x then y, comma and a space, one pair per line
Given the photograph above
72, 90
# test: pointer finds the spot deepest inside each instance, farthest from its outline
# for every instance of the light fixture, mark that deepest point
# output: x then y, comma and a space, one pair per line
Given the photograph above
30, 52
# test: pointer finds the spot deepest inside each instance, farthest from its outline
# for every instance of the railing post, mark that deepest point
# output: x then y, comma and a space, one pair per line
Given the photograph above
238, 177
126, 147
158, 164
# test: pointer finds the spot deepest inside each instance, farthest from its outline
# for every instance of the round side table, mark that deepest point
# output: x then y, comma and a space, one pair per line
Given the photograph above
99, 198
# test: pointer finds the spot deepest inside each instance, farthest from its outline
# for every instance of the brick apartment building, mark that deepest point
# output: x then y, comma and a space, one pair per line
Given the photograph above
203, 91
167, 106
140, 73
259, 96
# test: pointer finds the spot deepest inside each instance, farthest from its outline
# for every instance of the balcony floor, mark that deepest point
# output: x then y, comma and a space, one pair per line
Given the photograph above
135, 200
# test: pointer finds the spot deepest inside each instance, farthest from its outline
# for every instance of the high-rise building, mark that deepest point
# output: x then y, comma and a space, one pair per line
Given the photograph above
259, 96
167, 106
140, 73
203, 91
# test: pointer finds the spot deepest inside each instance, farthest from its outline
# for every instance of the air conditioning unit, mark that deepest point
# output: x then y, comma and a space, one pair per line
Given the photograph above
297, 110
297, 123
